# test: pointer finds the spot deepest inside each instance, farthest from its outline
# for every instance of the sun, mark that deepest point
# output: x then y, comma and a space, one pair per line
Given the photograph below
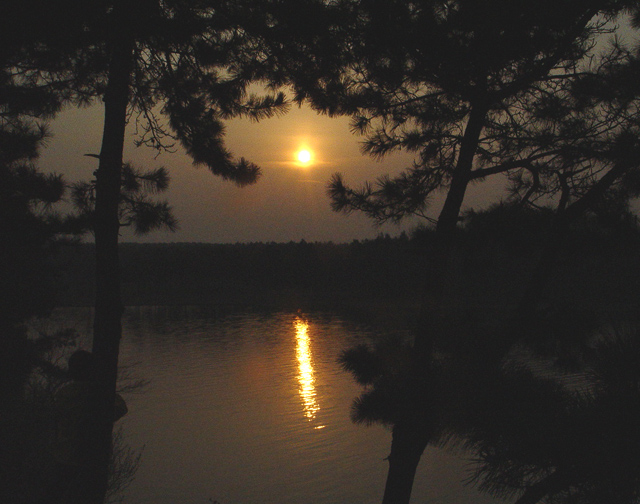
304, 156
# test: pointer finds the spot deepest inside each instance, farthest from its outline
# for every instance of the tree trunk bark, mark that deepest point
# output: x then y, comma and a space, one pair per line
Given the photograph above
434, 307
412, 434
450, 213
107, 328
407, 445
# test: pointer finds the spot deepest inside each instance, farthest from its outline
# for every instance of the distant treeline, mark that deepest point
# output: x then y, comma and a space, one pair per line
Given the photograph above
253, 273
598, 267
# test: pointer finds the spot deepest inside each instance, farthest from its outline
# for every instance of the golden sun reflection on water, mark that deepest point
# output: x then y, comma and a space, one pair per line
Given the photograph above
306, 379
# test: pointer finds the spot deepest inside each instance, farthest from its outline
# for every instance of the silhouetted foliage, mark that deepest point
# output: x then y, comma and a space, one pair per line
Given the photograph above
136, 208
388, 375
519, 228
29, 225
531, 430
34, 459
574, 443
178, 68
476, 89
27, 230
411, 74
30, 230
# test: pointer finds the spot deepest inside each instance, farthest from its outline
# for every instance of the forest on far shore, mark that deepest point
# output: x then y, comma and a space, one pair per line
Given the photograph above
245, 274
597, 268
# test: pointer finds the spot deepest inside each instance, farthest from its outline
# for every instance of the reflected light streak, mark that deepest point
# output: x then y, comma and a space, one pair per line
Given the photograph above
306, 377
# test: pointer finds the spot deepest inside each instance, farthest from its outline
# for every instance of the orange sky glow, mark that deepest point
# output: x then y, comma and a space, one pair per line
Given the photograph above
289, 202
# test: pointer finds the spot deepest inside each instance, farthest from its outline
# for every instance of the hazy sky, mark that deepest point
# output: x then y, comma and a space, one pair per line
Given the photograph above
288, 203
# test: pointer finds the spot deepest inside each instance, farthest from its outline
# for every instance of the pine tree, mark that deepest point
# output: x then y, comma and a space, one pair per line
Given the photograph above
475, 90
29, 228
177, 69
29, 225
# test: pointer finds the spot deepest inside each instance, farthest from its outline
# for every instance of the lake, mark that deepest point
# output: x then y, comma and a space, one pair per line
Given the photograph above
253, 408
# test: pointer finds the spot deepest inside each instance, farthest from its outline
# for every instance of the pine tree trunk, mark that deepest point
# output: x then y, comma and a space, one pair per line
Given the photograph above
434, 305
411, 435
108, 308
407, 446
450, 213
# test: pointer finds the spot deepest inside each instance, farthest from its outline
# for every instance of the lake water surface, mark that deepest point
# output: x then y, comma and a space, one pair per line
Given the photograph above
252, 408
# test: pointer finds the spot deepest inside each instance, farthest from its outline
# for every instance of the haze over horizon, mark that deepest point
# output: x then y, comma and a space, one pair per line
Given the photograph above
288, 203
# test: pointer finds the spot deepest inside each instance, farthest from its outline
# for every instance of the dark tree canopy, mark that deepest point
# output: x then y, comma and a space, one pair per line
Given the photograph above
531, 91
474, 89
28, 224
175, 69
137, 208
187, 72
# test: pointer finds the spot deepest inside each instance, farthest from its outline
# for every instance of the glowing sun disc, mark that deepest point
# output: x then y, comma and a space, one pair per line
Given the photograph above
304, 156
